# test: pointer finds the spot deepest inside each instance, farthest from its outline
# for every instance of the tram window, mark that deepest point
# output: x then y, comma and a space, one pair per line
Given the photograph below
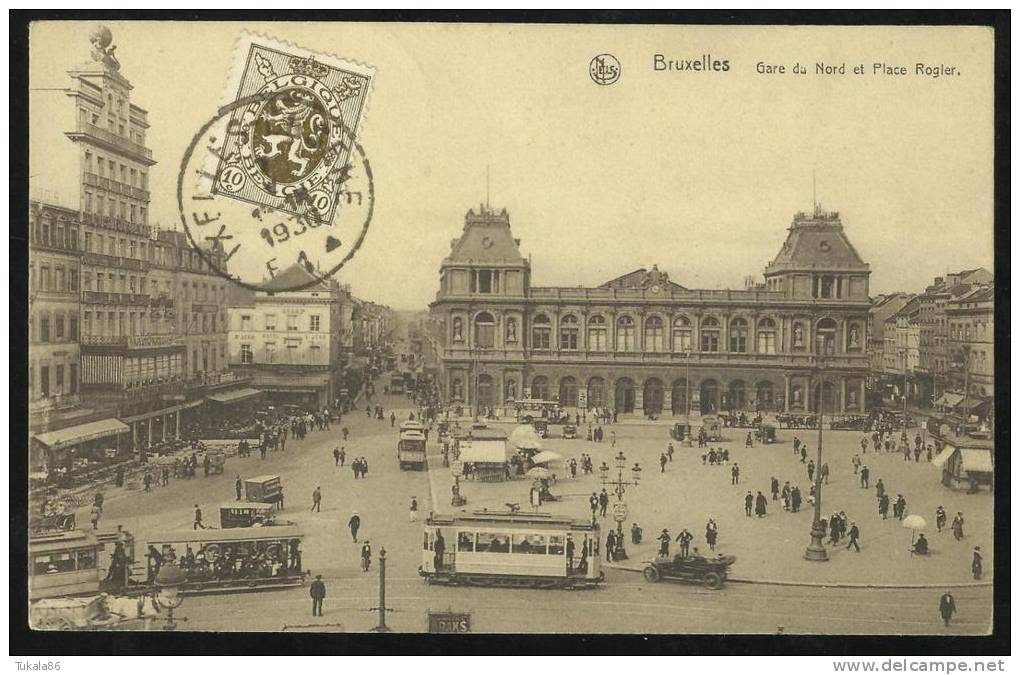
54, 563
556, 544
490, 542
529, 543
465, 542
86, 559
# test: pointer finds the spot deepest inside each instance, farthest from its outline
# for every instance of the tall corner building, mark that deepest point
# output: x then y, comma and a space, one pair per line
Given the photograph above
643, 343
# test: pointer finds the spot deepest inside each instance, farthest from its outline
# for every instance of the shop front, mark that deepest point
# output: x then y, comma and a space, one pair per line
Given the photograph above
77, 452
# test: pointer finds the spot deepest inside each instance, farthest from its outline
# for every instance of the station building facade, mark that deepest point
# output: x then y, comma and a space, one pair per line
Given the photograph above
642, 343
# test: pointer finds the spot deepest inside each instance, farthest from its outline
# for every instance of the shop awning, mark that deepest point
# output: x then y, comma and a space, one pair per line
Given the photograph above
979, 461
234, 395
938, 460
82, 433
483, 452
949, 400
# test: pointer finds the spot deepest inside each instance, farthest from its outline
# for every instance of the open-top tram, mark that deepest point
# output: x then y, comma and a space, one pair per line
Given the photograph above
511, 549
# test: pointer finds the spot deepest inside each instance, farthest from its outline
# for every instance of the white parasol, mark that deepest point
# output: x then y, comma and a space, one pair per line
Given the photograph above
525, 437
915, 523
546, 456
539, 472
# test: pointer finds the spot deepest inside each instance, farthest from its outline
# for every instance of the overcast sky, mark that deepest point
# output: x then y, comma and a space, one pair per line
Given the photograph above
700, 173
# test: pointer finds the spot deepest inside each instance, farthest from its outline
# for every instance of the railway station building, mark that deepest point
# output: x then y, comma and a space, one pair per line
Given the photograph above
642, 343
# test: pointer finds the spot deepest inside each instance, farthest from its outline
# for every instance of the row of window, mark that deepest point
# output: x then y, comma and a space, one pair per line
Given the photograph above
51, 380
963, 331
55, 234
55, 327
53, 277
269, 324
96, 242
495, 542
290, 354
141, 323
71, 561
114, 208
108, 168
655, 334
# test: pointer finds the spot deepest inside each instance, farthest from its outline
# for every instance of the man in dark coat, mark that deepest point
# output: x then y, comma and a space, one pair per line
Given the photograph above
664, 540
947, 607
975, 565
748, 503
237, 486
865, 476
854, 535
570, 554
603, 503
318, 592
610, 545
795, 499
439, 547
685, 538
883, 506
366, 556
593, 501
354, 523
775, 489
735, 474
759, 504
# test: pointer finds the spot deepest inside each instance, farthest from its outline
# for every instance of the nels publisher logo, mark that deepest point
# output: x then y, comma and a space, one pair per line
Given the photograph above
604, 69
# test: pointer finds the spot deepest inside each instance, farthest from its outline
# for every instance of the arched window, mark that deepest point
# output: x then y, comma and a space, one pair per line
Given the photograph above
654, 338
766, 336
485, 331
681, 334
540, 388
710, 334
825, 339
568, 333
597, 334
540, 332
625, 334
738, 335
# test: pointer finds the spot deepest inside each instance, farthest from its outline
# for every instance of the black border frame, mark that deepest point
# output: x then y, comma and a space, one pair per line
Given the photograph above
27, 642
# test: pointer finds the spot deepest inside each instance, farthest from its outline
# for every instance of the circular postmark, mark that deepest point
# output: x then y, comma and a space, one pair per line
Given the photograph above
604, 69
258, 199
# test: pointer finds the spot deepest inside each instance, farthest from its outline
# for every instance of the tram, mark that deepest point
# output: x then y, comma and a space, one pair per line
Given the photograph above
236, 559
511, 549
75, 562
411, 451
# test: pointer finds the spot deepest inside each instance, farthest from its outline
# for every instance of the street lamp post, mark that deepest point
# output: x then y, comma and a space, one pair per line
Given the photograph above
687, 399
619, 486
816, 549
382, 627
168, 593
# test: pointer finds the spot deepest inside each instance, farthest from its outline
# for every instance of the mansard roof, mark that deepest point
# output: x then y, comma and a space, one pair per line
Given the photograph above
643, 278
817, 242
486, 239
293, 277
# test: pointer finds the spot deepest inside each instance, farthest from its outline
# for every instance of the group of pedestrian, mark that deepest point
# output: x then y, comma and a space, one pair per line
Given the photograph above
715, 456
360, 467
597, 434
757, 503
339, 456
599, 503
685, 538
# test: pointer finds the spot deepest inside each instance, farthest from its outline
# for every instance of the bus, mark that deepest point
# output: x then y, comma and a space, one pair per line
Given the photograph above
511, 549
397, 384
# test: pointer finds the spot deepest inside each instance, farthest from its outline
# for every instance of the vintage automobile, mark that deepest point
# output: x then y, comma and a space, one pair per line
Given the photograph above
247, 514
766, 434
541, 427
696, 569
680, 431
569, 431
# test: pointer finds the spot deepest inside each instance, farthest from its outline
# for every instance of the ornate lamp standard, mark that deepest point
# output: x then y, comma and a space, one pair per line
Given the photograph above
168, 593
816, 549
687, 399
619, 486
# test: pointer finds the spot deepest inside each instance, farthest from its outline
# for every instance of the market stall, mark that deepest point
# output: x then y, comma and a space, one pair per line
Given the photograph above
484, 460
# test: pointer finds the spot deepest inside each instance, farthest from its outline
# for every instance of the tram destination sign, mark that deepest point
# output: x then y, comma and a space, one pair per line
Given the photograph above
449, 622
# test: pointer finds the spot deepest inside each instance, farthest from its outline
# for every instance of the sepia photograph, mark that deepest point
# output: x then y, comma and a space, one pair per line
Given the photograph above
518, 328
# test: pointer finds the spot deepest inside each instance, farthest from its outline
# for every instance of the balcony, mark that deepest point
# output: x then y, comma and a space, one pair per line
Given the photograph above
97, 134
103, 260
114, 223
667, 359
204, 307
173, 390
108, 298
133, 341
94, 180
161, 300
53, 403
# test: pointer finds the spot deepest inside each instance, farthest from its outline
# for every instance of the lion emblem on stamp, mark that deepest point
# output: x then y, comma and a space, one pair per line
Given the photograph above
288, 147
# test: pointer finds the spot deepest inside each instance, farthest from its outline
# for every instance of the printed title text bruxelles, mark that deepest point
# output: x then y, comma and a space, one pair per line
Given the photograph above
705, 63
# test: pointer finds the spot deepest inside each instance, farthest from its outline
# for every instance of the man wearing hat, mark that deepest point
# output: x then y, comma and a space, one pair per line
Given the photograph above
947, 607
664, 543
975, 565
854, 534
366, 556
318, 593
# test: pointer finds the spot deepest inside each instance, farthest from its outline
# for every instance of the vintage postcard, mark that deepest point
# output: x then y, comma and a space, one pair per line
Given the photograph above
512, 328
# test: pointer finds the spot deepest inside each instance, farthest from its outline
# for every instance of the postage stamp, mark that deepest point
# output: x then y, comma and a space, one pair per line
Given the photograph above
277, 178
290, 145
